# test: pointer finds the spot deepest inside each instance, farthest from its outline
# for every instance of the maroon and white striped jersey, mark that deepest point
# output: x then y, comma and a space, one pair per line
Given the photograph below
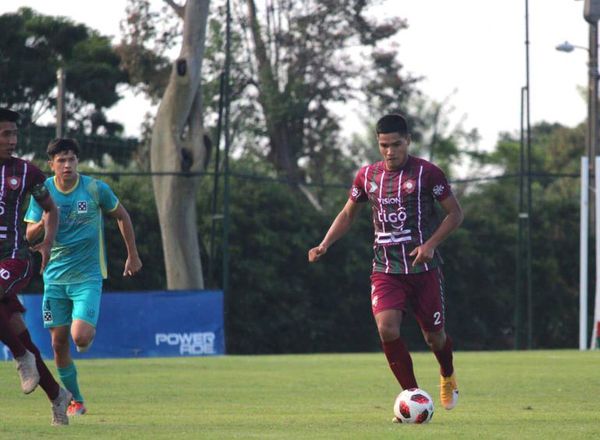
17, 178
404, 215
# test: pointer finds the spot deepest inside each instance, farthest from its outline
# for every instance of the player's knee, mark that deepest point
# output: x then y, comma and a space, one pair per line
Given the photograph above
435, 340
388, 332
82, 340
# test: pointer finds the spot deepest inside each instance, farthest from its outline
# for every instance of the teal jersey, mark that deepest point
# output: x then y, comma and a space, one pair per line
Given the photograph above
78, 253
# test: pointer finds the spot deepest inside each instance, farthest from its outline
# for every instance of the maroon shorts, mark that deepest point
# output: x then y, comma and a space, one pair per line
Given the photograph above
15, 275
423, 292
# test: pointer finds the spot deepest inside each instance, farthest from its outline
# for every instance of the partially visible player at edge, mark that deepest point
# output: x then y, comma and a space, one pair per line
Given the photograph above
18, 178
406, 266
77, 266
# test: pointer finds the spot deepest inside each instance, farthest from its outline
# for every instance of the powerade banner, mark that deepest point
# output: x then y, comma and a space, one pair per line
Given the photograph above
144, 324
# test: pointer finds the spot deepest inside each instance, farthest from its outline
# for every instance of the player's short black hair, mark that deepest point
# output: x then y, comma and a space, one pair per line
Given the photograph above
7, 115
60, 145
392, 123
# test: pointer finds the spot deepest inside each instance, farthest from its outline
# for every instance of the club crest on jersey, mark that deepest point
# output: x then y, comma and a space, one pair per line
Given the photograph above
14, 182
373, 187
438, 190
82, 207
408, 186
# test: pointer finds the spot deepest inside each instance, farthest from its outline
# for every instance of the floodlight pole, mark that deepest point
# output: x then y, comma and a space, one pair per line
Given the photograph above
591, 13
226, 189
593, 149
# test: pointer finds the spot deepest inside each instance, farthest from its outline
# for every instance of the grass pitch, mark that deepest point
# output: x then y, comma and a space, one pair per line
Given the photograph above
504, 395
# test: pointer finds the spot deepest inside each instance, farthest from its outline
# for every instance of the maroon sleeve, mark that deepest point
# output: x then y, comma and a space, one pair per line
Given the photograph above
35, 183
357, 192
440, 188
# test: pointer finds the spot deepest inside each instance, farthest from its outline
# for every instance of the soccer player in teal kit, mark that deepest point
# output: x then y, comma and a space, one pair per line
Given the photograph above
406, 272
77, 266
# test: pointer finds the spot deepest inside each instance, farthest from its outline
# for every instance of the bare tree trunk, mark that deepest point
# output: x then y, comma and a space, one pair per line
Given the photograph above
177, 146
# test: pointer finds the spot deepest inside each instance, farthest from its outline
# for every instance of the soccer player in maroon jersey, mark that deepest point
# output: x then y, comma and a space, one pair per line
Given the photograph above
401, 190
18, 178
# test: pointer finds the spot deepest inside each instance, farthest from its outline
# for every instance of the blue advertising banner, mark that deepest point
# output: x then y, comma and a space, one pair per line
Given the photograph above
145, 324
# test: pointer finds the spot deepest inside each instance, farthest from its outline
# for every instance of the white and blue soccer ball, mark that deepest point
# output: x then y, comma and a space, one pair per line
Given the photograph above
413, 406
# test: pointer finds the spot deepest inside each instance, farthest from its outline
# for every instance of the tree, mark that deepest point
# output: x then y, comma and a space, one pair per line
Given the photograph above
34, 46
302, 55
177, 146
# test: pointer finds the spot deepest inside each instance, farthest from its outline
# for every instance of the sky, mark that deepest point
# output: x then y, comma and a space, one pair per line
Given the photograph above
470, 52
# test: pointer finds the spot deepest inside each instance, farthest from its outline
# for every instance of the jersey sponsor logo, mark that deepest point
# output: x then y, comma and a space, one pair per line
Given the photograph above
409, 186
390, 200
2, 204
82, 207
4, 273
356, 192
189, 343
394, 219
438, 190
14, 182
392, 238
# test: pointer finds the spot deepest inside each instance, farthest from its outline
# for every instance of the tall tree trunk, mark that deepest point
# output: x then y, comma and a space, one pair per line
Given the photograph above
177, 146
272, 101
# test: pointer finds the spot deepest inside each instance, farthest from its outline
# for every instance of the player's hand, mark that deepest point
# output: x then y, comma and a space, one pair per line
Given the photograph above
422, 254
132, 266
44, 249
315, 253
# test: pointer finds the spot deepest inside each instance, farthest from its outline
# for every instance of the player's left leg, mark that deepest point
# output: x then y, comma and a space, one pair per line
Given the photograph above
47, 382
428, 307
86, 311
83, 335
59, 397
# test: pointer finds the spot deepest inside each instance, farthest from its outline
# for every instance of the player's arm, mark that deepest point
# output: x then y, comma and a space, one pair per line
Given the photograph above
452, 220
34, 231
50, 225
341, 224
133, 264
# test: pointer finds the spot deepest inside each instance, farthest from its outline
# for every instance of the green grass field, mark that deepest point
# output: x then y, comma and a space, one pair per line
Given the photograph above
504, 395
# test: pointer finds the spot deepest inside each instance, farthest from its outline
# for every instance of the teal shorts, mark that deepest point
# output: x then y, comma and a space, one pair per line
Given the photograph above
63, 303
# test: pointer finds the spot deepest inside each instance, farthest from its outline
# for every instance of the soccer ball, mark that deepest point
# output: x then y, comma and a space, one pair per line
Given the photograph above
413, 406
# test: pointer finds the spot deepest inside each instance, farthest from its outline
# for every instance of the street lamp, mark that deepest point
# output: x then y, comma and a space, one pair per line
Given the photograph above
592, 133
592, 152
568, 47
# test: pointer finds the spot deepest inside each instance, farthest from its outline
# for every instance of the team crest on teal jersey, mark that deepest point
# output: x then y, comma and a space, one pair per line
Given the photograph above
81, 207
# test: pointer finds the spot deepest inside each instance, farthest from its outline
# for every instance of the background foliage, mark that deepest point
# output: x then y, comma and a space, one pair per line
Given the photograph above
277, 302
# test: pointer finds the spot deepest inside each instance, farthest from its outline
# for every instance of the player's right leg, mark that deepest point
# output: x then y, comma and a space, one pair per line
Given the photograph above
56, 311
64, 363
24, 359
387, 302
16, 275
